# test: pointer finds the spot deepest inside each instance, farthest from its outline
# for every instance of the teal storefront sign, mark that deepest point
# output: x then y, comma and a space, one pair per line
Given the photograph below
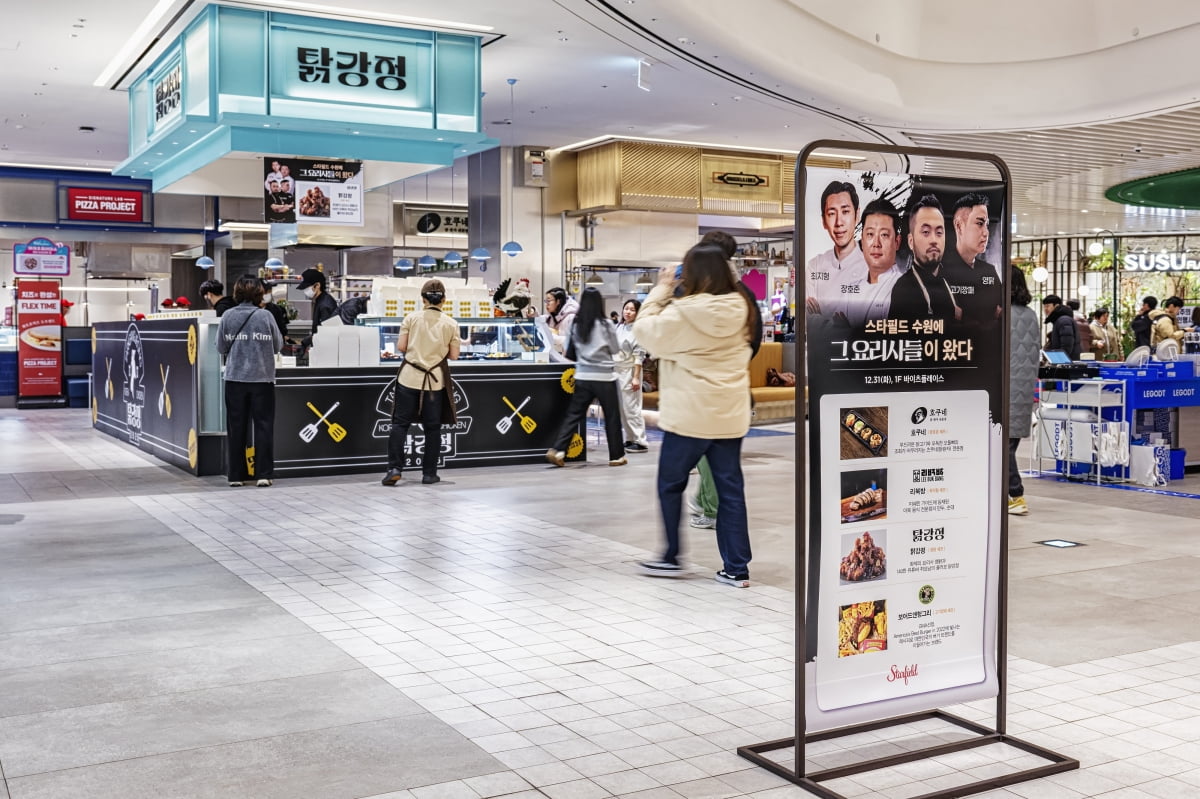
240, 81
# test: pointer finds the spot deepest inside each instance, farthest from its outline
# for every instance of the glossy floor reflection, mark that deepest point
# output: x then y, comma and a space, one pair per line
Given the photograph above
166, 636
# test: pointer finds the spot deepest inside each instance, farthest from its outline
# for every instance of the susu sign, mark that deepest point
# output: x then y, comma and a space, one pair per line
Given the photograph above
104, 205
1161, 262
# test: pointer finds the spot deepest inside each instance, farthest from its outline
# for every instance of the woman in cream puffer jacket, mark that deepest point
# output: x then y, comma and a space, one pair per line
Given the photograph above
701, 340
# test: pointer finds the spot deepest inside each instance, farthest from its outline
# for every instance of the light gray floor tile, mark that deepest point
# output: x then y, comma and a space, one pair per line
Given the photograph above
94, 734
106, 639
95, 681
345, 762
219, 592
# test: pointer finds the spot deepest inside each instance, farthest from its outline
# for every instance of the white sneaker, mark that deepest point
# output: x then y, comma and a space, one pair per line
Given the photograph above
660, 568
703, 522
694, 506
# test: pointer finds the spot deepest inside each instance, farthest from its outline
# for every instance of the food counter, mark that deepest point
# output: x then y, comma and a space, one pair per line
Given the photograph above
157, 385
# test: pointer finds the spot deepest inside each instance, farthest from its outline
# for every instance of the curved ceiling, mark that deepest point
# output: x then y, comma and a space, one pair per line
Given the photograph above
930, 81
954, 32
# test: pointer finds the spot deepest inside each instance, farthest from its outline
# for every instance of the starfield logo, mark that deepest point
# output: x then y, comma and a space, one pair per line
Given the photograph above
898, 673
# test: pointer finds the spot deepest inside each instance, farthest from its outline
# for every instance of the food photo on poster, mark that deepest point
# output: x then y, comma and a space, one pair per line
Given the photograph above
903, 315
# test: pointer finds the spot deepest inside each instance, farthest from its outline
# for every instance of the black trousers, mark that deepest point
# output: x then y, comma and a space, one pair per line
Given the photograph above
249, 404
404, 413
604, 392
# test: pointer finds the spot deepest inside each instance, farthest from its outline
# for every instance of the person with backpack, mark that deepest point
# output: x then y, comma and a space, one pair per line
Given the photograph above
1141, 324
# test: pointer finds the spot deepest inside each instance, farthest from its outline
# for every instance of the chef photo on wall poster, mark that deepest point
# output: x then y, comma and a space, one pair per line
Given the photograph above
279, 187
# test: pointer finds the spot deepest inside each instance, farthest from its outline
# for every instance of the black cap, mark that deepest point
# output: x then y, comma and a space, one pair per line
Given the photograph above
310, 276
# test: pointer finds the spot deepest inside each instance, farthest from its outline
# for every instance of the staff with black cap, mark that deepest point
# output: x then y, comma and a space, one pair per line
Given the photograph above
429, 340
312, 283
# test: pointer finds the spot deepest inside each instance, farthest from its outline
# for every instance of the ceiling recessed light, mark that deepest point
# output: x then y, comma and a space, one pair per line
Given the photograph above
1059, 543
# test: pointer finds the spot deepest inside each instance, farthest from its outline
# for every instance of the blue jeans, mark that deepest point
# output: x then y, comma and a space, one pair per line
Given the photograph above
677, 456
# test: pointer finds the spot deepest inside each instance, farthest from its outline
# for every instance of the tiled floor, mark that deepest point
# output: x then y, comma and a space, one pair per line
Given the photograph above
166, 636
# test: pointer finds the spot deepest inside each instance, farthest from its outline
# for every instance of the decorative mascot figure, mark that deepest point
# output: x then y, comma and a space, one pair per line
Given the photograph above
512, 303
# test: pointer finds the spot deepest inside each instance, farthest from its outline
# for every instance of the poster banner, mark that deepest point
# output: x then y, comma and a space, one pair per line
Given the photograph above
40, 347
906, 323
42, 257
144, 387
325, 192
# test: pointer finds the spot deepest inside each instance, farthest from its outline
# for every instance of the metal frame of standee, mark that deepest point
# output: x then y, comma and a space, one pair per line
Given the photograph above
985, 735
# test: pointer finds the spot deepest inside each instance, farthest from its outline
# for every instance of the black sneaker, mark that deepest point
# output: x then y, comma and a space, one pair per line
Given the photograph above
430, 479
738, 580
660, 568
633, 446
391, 478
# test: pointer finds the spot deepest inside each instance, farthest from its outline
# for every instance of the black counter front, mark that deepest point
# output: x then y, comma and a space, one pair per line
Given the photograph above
157, 385
337, 421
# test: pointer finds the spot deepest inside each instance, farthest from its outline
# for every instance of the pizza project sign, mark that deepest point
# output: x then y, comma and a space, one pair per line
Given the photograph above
105, 205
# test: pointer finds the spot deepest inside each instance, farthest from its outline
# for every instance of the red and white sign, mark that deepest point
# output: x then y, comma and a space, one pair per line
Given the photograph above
105, 205
39, 353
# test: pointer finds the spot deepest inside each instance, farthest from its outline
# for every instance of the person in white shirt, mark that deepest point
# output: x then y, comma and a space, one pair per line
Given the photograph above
871, 296
830, 272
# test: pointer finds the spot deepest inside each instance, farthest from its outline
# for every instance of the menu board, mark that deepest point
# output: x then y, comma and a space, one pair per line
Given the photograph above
39, 351
905, 323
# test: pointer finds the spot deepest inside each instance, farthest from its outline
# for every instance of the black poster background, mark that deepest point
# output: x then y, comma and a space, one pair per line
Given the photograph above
131, 400
986, 369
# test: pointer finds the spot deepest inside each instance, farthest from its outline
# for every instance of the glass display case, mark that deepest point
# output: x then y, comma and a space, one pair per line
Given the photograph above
495, 339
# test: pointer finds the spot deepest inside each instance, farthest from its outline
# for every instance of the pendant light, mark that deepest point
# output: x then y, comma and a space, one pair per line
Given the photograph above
480, 254
644, 283
404, 264
274, 264
511, 247
594, 279
204, 262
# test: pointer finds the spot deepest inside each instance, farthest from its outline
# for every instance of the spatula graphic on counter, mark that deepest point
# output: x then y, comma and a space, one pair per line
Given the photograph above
336, 431
527, 424
505, 424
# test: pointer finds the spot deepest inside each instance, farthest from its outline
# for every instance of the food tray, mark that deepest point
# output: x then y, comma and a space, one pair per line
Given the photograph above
873, 439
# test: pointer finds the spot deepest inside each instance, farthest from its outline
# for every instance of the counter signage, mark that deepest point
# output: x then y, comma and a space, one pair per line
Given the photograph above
323, 192
168, 95
319, 65
436, 221
907, 434
39, 351
42, 257
741, 179
1161, 262
105, 205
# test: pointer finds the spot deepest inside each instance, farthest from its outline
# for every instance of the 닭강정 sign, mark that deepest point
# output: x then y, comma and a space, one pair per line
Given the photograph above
104, 205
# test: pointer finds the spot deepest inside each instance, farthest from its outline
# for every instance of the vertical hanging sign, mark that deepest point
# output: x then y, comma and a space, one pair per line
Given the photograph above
39, 353
905, 352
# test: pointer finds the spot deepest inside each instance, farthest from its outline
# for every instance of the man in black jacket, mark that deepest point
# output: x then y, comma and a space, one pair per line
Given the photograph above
312, 283
214, 292
1141, 324
1063, 333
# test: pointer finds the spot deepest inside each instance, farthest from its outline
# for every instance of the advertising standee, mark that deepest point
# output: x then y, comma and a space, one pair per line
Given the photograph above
39, 348
904, 363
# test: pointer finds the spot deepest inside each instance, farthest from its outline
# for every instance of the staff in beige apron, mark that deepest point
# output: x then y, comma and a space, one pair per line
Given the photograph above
429, 341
